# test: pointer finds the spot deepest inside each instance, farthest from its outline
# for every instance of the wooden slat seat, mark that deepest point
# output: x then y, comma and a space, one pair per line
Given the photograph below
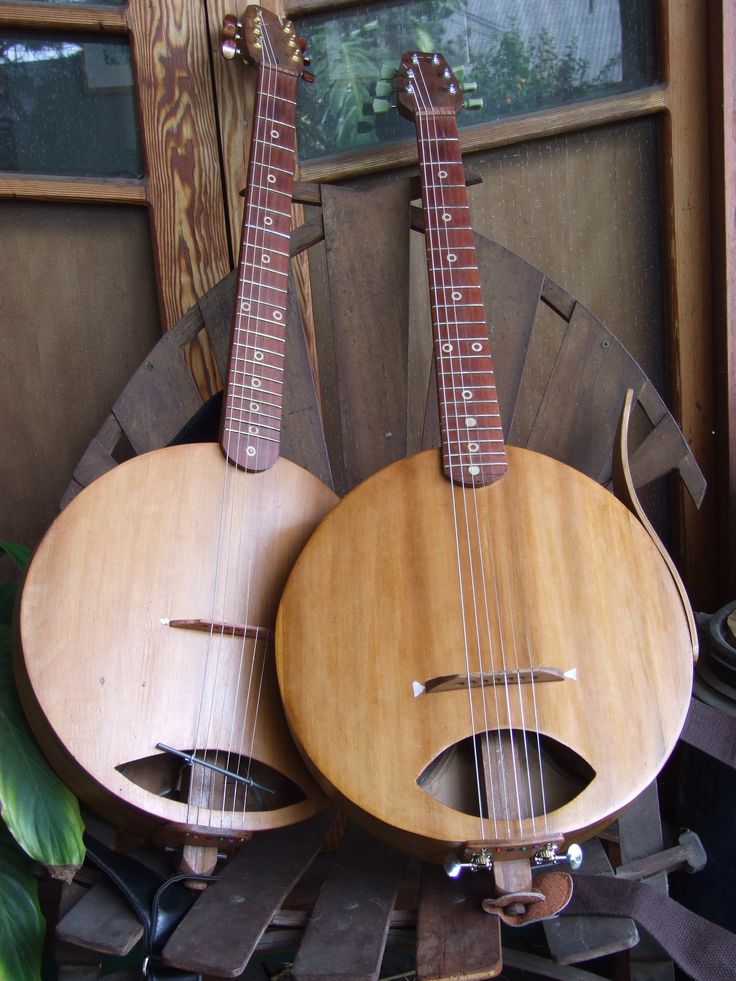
561, 390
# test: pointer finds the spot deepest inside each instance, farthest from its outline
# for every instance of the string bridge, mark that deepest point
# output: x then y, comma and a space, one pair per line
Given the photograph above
488, 679
221, 627
191, 759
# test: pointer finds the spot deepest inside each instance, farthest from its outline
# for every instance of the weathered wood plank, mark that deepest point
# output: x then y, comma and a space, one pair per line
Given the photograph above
159, 398
347, 931
455, 937
242, 902
101, 921
579, 412
579, 938
367, 249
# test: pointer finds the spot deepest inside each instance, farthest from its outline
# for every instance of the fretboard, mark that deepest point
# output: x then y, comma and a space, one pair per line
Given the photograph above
250, 433
473, 451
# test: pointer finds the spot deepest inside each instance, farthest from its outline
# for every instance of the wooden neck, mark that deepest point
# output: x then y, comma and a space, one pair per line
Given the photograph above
251, 421
473, 452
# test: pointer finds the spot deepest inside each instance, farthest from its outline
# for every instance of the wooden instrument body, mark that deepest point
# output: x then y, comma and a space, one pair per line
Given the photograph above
103, 680
573, 582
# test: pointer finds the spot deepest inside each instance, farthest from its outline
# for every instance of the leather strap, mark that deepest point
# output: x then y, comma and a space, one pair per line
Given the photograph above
552, 893
159, 903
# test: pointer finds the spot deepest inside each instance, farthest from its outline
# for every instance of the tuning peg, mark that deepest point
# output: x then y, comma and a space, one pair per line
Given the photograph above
469, 87
302, 42
380, 106
473, 104
382, 89
459, 72
229, 48
388, 71
308, 77
307, 60
230, 25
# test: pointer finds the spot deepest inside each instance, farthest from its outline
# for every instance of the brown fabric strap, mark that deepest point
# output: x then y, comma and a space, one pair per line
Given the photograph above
712, 731
705, 951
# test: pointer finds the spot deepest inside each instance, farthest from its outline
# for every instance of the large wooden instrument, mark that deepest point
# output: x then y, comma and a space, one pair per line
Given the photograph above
481, 651
146, 619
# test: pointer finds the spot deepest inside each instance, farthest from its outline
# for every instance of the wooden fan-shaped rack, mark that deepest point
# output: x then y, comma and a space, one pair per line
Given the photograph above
562, 382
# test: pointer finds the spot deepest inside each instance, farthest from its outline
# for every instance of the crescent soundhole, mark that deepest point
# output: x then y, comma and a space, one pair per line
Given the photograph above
529, 774
260, 788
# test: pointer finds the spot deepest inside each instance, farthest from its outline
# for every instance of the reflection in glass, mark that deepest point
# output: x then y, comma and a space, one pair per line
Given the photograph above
523, 56
66, 105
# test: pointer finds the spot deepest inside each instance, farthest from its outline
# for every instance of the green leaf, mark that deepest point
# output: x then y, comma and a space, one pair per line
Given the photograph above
22, 926
8, 591
20, 554
40, 812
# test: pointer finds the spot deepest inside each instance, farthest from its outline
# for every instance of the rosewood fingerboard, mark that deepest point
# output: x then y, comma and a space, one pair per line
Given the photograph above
251, 420
473, 452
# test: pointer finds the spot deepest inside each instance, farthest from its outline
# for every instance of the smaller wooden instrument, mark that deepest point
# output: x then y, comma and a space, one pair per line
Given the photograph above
145, 661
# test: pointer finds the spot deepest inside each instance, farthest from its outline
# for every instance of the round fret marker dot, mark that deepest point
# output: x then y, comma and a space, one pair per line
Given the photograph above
271, 179
278, 315
268, 220
256, 382
467, 394
245, 307
447, 217
476, 347
275, 134
473, 447
265, 259
451, 257
251, 451
447, 348
473, 471
456, 295
258, 355
255, 407
442, 174
470, 422
253, 430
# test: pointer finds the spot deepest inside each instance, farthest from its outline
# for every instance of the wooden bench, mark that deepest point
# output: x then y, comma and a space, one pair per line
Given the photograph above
562, 378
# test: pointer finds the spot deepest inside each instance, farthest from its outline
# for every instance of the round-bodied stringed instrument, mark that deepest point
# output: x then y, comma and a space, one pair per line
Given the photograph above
146, 619
480, 650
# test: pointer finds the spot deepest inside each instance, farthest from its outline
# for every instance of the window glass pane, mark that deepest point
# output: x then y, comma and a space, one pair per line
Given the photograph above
523, 55
66, 105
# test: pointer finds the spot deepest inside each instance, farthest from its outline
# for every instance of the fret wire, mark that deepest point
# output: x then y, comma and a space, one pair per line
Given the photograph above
251, 436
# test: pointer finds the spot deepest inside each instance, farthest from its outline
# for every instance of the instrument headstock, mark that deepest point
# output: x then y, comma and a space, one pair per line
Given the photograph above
262, 38
425, 82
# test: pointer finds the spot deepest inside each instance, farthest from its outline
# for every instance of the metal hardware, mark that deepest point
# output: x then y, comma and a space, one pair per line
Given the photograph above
548, 856
479, 861
190, 758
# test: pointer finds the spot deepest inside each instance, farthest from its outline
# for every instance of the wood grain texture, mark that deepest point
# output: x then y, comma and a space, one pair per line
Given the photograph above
455, 937
243, 901
171, 61
64, 17
79, 313
352, 913
36, 188
141, 545
686, 175
364, 356
614, 615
